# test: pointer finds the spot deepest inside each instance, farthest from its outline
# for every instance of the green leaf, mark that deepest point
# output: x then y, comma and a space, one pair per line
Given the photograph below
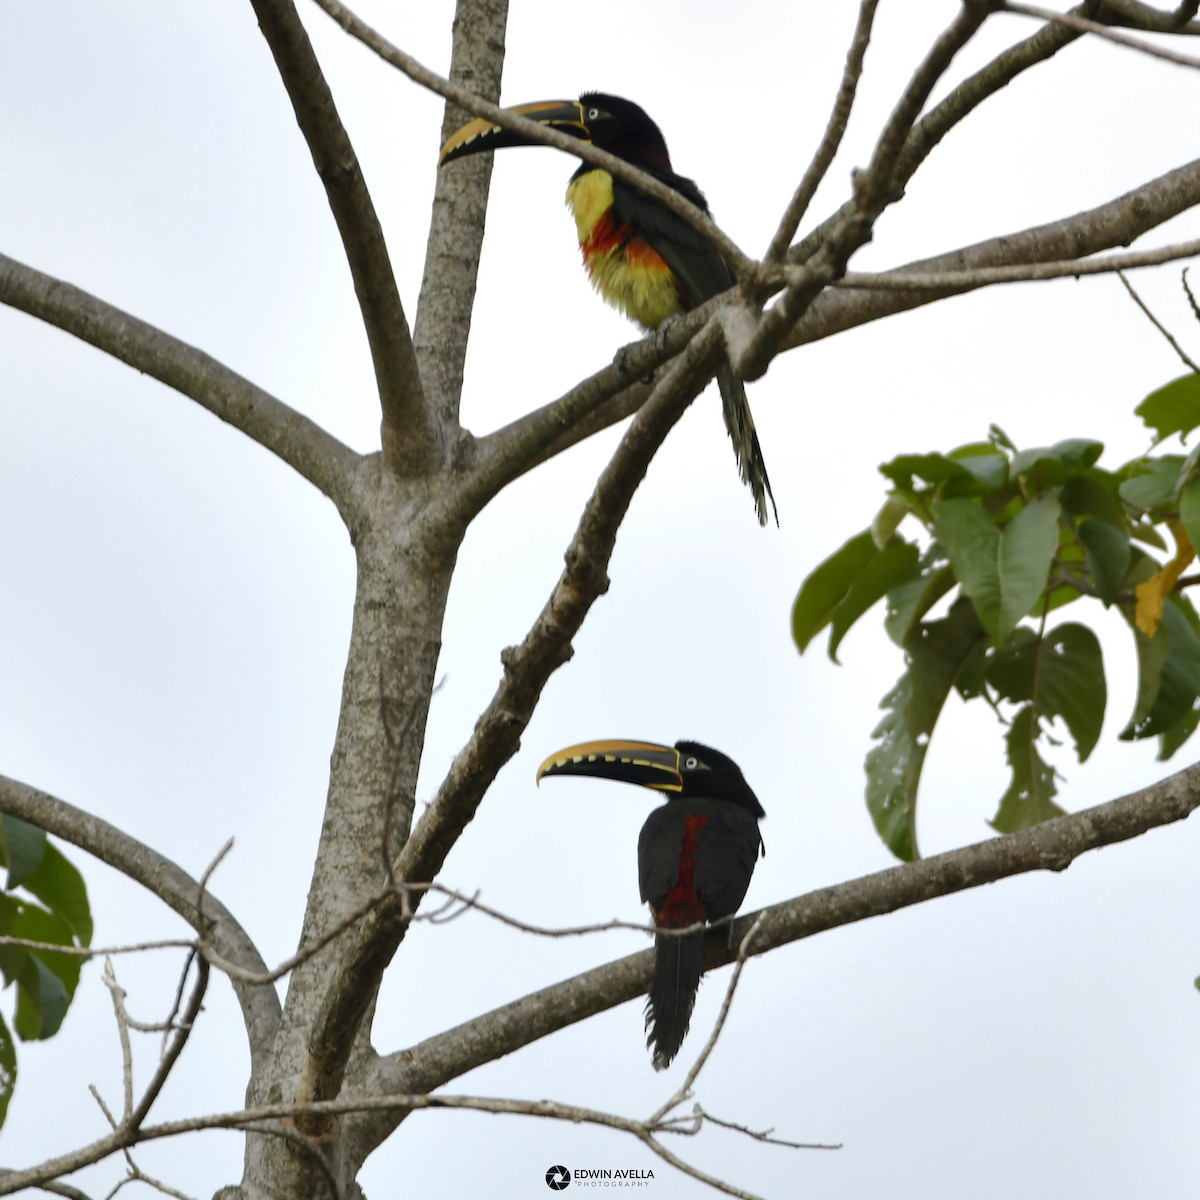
826, 586
8, 1069
937, 654
1173, 408
45, 981
1148, 535
42, 1001
1171, 739
21, 848
895, 564
1106, 550
1059, 675
1094, 494
1003, 571
985, 466
887, 520
1153, 490
1029, 799
1051, 466
58, 884
1168, 672
1189, 509
909, 602
932, 468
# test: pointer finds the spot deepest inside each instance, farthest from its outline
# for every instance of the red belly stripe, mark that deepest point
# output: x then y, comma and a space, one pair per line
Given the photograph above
682, 906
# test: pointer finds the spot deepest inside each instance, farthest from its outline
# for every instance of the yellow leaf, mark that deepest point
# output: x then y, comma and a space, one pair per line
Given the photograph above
1152, 594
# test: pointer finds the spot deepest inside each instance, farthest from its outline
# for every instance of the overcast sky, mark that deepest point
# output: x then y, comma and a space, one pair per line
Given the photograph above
175, 604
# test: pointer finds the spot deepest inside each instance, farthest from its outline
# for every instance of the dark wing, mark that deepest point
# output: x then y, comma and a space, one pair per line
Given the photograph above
725, 856
659, 846
699, 270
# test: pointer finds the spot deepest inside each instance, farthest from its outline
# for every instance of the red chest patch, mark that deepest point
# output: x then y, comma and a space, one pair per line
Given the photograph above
608, 236
682, 907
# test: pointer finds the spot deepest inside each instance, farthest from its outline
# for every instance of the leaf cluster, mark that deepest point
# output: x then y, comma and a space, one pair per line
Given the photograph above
1004, 538
52, 908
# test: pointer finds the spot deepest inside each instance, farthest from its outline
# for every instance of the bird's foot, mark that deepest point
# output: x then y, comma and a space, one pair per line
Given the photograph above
660, 337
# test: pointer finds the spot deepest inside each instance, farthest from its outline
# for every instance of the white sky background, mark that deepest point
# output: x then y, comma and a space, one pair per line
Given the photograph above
175, 603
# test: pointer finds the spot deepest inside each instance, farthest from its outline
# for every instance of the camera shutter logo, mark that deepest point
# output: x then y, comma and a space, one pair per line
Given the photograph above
558, 1178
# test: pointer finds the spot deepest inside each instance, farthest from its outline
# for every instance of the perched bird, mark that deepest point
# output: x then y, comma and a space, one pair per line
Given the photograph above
641, 257
695, 857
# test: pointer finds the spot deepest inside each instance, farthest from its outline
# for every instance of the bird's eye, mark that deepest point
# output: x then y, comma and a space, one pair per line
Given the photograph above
593, 114
691, 764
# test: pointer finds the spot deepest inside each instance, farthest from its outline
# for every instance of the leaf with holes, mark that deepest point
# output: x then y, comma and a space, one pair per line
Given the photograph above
938, 653
1029, 799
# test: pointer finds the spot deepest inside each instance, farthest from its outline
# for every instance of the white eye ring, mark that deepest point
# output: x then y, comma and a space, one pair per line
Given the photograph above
691, 763
593, 114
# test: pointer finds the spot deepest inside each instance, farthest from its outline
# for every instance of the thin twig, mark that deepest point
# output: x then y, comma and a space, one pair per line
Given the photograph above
174, 1049
831, 139
263, 1118
118, 1001
1113, 264
762, 1135
1187, 360
1187, 291
875, 187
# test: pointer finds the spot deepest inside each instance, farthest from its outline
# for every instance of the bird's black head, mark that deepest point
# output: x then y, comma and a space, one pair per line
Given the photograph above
618, 126
686, 770
624, 129
708, 772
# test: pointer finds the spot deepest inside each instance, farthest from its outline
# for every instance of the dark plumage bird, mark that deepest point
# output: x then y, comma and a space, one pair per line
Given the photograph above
696, 855
641, 257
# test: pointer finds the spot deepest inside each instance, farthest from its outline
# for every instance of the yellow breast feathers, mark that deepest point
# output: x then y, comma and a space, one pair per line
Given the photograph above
628, 272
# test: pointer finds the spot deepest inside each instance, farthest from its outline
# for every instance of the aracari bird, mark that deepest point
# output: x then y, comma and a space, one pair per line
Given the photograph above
695, 857
641, 257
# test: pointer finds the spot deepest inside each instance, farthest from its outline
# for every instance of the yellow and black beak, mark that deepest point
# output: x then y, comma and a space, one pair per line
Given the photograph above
482, 134
645, 763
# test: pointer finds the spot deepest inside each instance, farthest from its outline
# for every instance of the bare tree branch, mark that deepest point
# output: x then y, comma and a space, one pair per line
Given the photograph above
1137, 15
170, 883
456, 228
411, 438
1102, 31
316, 455
1116, 223
1052, 846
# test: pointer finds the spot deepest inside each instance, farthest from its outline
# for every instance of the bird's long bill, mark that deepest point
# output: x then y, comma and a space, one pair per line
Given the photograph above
482, 134
645, 763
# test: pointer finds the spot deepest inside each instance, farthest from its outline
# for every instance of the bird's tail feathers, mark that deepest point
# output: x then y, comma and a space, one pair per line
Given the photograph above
672, 995
740, 424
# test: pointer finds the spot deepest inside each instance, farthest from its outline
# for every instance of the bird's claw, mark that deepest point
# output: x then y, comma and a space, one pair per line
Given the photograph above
660, 338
